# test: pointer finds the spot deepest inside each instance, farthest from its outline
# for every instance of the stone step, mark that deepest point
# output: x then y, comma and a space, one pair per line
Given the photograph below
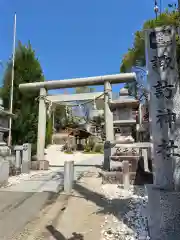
132, 145
125, 158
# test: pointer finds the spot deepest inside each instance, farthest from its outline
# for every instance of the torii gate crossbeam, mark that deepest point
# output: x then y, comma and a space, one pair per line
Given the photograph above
79, 82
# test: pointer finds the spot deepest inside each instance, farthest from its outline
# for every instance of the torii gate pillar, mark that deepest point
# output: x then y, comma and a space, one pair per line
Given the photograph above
108, 115
41, 125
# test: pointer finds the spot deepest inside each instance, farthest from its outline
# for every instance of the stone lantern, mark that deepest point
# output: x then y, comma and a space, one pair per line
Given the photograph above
4, 127
123, 118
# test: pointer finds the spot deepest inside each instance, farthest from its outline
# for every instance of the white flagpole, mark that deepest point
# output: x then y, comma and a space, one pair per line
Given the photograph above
12, 80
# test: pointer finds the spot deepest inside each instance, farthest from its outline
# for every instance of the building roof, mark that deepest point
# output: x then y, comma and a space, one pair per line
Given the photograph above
81, 133
76, 132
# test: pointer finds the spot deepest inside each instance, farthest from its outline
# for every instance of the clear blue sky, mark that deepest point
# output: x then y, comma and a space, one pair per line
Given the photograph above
74, 38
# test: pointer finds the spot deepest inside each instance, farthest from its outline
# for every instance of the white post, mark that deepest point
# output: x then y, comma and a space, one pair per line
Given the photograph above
26, 158
68, 176
140, 116
41, 125
18, 159
126, 175
12, 82
144, 152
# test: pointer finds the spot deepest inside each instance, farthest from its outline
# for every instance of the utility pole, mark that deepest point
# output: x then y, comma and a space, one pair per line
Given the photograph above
156, 8
160, 6
12, 81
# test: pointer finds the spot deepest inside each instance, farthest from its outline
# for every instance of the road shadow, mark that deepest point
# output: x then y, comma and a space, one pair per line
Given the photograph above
59, 236
118, 207
53, 196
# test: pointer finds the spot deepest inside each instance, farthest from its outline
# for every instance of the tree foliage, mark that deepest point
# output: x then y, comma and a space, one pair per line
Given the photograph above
84, 89
59, 115
63, 118
136, 54
25, 106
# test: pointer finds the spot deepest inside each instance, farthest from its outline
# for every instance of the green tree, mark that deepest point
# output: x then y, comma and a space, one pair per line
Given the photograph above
136, 55
25, 106
59, 116
84, 89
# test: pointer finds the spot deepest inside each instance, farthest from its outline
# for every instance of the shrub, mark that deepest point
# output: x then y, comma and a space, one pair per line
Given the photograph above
98, 148
87, 148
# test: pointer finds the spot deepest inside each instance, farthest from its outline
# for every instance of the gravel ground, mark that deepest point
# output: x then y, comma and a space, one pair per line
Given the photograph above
128, 222
57, 158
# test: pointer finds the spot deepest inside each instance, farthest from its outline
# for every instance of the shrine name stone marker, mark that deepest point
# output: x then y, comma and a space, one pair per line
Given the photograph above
164, 201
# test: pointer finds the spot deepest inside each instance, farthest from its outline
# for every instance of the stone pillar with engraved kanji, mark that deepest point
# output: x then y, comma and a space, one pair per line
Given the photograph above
163, 200
164, 103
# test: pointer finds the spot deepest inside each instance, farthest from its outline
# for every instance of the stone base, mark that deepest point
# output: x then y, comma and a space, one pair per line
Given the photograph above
163, 214
12, 171
18, 171
136, 178
25, 168
115, 177
43, 165
35, 165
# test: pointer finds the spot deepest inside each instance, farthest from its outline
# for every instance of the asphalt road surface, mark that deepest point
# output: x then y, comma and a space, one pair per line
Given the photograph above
20, 204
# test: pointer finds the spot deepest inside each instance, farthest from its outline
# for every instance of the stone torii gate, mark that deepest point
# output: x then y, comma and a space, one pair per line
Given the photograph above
42, 87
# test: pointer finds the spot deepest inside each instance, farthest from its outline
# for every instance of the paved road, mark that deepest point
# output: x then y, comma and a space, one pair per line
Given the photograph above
20, 203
